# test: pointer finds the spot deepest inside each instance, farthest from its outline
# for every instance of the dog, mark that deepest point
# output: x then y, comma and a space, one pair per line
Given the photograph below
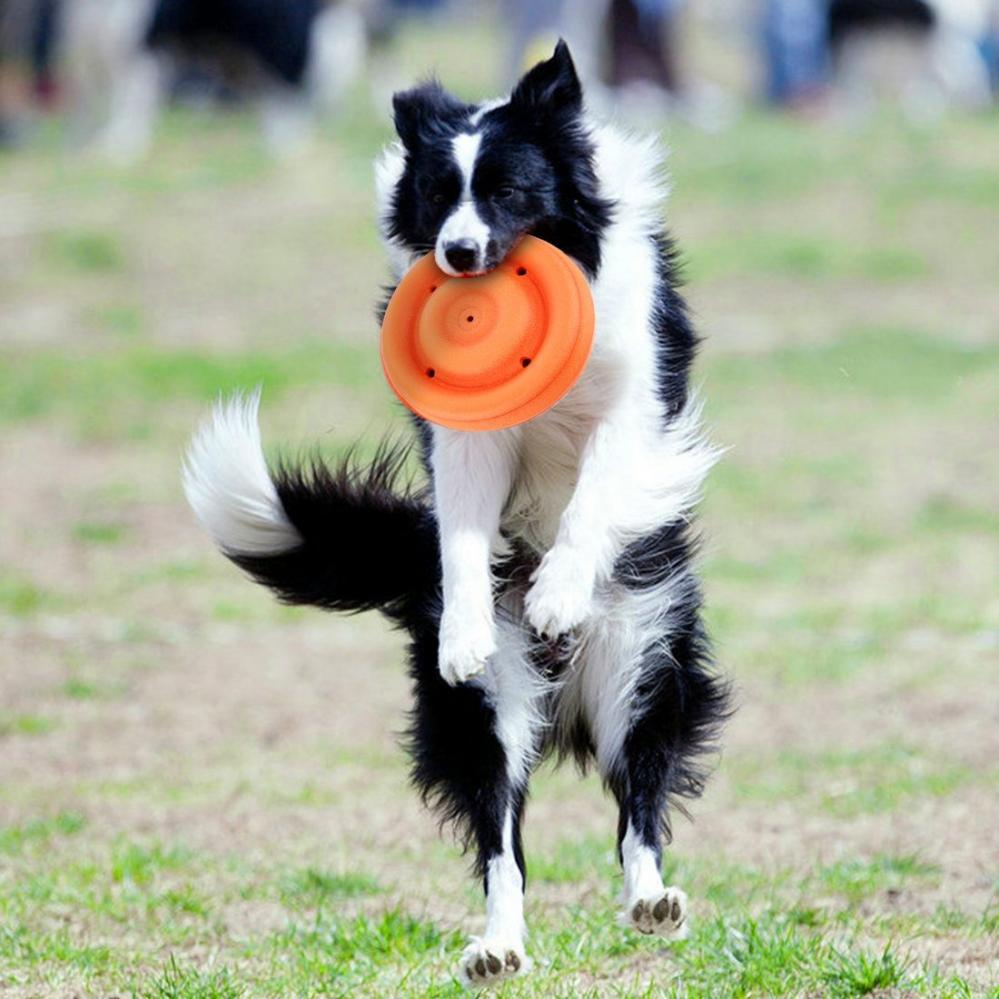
546, 575
120, 56
927, 54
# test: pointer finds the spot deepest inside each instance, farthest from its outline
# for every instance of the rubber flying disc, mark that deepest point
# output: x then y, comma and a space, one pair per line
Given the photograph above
488, 352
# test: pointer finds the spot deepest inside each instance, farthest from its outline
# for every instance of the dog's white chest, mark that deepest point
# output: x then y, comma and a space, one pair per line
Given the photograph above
551, 450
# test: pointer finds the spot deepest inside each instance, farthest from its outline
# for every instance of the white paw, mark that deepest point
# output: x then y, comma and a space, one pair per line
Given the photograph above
466, 643
664, 915
488, 962
561, 596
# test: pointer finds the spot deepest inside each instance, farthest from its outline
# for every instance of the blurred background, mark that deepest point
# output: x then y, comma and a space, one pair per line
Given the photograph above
201, 792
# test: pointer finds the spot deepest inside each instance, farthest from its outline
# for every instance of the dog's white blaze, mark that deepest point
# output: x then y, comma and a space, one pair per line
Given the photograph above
464, 222
228, 486
465, 148
642, 877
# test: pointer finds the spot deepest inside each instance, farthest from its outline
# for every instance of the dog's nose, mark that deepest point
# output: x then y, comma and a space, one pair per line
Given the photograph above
462, 255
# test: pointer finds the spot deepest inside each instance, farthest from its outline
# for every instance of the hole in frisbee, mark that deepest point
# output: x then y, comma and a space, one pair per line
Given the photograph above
524, 362
431, 373
469, 319
521, 271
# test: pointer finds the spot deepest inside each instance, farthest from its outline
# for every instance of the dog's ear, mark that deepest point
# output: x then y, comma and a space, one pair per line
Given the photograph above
421, 112
550, 87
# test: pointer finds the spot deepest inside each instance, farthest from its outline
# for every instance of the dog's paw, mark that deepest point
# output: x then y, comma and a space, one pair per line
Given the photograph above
561, 596
466, 643
662, 915
488, 962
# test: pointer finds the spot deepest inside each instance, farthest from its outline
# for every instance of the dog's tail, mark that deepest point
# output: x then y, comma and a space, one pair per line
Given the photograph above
345, 538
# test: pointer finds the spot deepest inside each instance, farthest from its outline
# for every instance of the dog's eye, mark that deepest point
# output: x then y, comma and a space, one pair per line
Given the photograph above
504, 193
437, 199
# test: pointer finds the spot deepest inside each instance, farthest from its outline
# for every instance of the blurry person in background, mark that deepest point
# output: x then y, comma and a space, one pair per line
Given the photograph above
383, 20
795, 52
628, 51
847, 54
17, 18
296, 57
44, 42
643, 44
925, 54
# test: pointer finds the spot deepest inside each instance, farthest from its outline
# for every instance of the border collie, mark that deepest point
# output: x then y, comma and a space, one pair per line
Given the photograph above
545, 576
925, 53
120, 55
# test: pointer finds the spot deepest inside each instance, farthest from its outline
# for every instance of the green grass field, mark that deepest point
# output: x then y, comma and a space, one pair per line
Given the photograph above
201, 793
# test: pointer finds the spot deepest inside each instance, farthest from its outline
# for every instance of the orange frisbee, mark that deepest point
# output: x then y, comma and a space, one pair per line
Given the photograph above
489, 352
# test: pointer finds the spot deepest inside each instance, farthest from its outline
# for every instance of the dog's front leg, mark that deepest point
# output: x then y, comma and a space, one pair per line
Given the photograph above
587, 544
473, 473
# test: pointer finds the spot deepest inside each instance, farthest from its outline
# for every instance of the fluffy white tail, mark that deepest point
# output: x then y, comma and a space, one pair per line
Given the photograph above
229, 487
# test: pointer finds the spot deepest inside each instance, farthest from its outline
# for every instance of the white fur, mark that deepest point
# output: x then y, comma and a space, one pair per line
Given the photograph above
484, 108
389, 167
642, 877
464, 222
473, 474
598, 470
612, 646
227, 483
649, 906
517, 693
504, 934
465, 147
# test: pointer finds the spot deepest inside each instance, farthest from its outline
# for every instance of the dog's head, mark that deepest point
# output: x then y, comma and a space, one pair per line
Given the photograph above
478, 177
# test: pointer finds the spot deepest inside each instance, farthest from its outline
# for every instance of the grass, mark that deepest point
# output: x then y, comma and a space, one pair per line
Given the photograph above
176, 982
14, 838
847, 783
86, 251
310, 887
108, 394
203, 795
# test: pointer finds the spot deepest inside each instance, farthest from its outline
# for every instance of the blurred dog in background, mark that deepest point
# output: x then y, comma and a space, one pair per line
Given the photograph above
926, 54
121, 58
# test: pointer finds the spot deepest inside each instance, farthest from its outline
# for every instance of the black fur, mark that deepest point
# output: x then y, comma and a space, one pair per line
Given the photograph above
341, 512
458, 764
849, 16
534, 174
676, 341
276, 32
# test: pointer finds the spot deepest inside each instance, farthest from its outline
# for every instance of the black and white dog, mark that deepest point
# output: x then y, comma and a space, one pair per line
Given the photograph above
927, 54
546, 578
120, 55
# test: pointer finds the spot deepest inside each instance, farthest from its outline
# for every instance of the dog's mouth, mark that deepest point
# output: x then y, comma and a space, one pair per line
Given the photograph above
480, 269
486, 268
484, 263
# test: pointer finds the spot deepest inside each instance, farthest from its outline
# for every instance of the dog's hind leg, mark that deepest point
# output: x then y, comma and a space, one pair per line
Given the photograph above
473, 747
654, 708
